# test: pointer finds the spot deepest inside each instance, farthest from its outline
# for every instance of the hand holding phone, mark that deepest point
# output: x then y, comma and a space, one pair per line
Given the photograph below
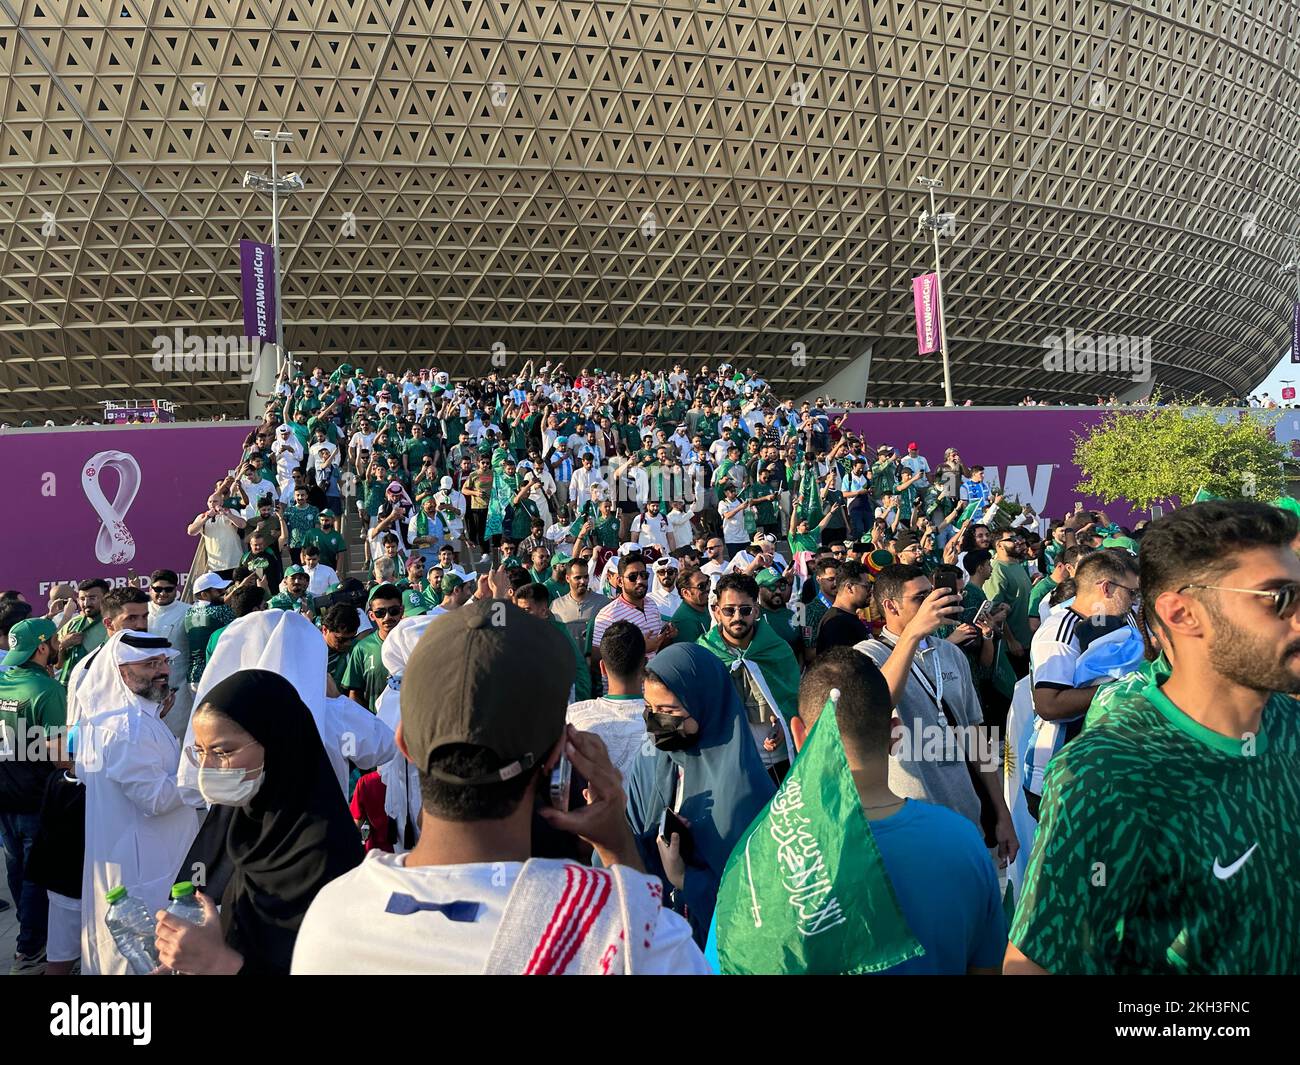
671, 824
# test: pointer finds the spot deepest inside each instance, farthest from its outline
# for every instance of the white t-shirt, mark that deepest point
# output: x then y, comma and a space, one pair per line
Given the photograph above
733, 527
223, 544
679, 529
619, 721
651, 531
348, 928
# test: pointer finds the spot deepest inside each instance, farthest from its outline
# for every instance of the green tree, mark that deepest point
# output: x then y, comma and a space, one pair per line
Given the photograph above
1167, 454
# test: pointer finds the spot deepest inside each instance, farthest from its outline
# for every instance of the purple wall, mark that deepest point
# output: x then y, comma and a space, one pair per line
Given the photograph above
1029, 451
70, 518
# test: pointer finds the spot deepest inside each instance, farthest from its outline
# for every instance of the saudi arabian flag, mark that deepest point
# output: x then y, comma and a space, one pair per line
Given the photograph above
1202, 496
808, 501
806, 890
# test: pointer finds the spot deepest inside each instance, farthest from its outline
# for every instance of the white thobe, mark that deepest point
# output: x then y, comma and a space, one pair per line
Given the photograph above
138, 826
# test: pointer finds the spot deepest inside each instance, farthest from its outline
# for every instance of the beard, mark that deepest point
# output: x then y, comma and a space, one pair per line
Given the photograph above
155, 691
1255, 663
738, 628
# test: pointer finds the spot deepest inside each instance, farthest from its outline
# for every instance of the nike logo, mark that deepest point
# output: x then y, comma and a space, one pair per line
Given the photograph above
1223, 872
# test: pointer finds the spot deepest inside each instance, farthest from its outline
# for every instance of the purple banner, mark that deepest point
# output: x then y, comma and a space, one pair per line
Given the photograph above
99, 500
1028, 451
257, 272
1295, 331
925, 297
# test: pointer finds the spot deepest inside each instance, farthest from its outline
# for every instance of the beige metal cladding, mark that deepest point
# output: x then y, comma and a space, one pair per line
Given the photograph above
630, 183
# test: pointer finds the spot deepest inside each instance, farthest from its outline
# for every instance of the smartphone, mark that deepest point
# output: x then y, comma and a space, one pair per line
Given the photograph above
566, 786
982, 614
669, 823
946, 580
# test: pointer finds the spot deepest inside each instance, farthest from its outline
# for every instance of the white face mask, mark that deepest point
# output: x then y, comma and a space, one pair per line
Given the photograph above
229, 787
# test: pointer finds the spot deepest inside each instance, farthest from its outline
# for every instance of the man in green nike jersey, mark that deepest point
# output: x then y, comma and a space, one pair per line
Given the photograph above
364, 677
1167, 835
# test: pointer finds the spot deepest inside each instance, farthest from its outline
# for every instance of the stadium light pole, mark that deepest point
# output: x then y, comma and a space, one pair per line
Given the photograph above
275, 186
939, 223
1293, 268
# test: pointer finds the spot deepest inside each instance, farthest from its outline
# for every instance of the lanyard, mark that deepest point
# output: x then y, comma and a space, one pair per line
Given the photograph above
934, 688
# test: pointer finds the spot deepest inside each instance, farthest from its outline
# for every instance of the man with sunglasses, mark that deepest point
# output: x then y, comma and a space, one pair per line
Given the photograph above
364, 677
840, 625
1182, 789
1010, 584
632, 604
1106, 591
941, 722
692, 619
762, 667
167, 619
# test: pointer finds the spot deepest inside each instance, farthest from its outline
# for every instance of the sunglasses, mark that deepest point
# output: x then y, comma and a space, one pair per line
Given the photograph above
638, 577
732, 611
160, 588
387, 612
1285, 599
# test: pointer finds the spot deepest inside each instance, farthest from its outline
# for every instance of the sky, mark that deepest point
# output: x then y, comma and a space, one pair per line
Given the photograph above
1272, 384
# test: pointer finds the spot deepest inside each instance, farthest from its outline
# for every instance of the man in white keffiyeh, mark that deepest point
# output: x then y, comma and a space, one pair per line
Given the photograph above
138, 823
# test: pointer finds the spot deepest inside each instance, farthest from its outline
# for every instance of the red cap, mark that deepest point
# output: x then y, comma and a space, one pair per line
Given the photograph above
911, 446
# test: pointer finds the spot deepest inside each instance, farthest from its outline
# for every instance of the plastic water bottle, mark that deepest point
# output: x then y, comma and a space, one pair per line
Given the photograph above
185, 904
132, 927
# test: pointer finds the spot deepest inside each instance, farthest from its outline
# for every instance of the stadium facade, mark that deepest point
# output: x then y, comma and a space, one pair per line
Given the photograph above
637, 183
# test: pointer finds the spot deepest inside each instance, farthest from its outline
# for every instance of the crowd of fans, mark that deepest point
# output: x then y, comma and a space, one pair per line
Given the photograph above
583, 666
1263, 400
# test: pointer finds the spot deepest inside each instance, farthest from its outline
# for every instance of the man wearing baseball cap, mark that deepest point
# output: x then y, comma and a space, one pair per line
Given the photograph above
333, 548
484, 736
295, 596
915, 463
457, 587
30, 700
208, 614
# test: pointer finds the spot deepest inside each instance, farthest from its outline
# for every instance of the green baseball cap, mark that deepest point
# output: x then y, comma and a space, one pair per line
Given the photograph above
450, 582
25, 638
327, 514
767, 578
414, 602
294, 571
1126, 542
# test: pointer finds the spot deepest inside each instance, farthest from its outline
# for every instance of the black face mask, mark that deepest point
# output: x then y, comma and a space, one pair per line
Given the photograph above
667, 731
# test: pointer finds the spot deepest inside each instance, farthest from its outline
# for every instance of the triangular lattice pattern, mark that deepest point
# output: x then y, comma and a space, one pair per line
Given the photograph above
630, 183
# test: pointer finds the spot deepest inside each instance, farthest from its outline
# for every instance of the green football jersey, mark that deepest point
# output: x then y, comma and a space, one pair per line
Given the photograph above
1165, 847
365, 671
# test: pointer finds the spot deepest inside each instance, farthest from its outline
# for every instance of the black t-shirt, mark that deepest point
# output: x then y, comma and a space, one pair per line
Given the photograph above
840, 628
59, 849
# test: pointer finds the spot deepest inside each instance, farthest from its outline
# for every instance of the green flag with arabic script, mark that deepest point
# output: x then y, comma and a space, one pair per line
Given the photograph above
806, 890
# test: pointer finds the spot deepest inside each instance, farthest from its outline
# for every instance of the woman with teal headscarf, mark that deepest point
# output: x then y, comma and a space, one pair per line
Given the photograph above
705, 767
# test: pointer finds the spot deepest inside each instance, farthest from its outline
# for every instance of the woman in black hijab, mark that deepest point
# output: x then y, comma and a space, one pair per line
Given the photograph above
290, 833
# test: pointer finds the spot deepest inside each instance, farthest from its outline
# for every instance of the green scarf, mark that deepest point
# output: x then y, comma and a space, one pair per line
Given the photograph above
773, 657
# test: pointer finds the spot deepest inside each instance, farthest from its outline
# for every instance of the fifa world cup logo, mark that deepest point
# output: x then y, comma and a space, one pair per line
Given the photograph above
114, 542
